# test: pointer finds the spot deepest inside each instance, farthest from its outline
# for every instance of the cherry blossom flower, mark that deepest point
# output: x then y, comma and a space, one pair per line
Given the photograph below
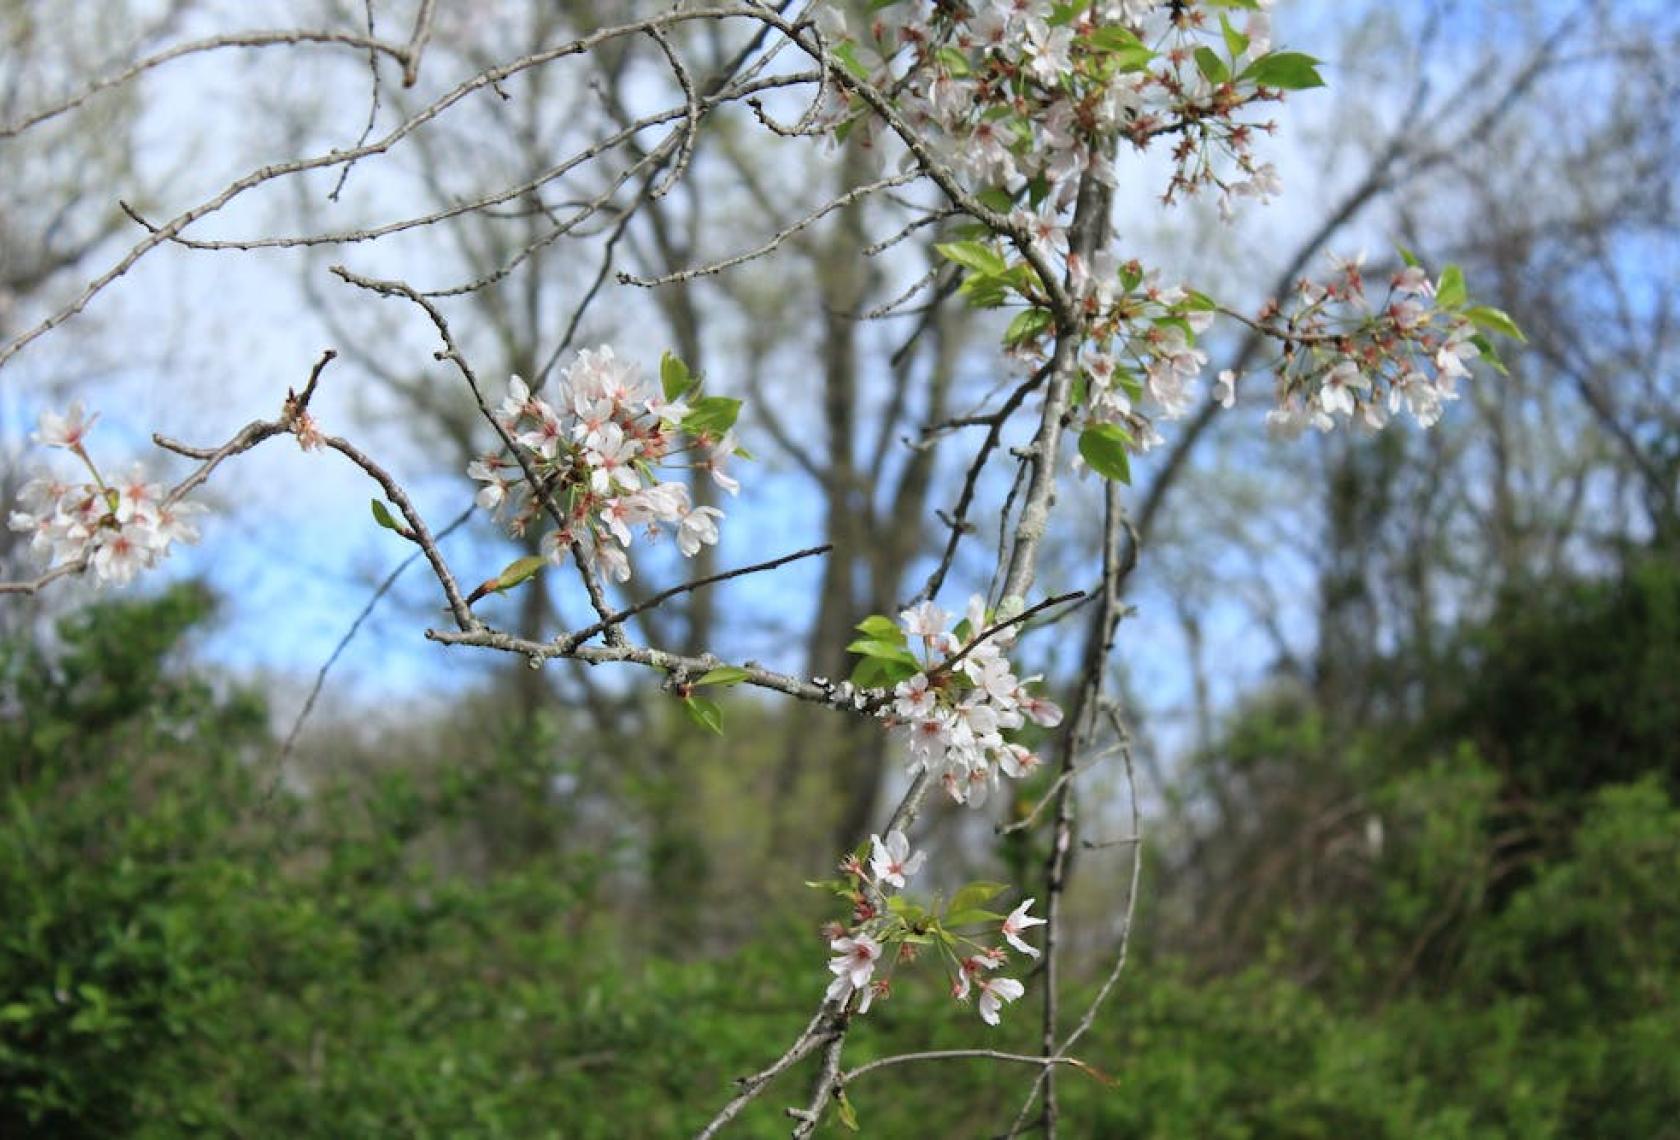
891, 860
698, 528
969, 969
67, 431
914, 699
1018, 921
1452, 357
852, 965
124, 553
994, 993
1340, 385
925, 620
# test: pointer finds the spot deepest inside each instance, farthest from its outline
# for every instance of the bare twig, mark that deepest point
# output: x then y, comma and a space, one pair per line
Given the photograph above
776, 240
283, 38
367, 609
1033, 1059
572, 640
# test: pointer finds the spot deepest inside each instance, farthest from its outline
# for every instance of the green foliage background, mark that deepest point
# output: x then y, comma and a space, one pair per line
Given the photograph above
187, 949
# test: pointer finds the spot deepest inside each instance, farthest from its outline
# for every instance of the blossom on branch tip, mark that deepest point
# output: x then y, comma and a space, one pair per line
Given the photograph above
119, 528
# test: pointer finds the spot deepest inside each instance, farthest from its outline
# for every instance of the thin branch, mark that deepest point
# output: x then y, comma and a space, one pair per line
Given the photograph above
282, 38
373, 107
814, 1034
417, 42
344, 643
776, 240
676, 664
691, 117
572, 640
1033, 1059
482, 204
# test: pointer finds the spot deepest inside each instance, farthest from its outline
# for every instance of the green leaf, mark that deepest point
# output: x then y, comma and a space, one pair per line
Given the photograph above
712, 415
704, 713
978, 256
879, 627
1112, 37
16, 1011
1490, 354
996, 198
1408, 256
1124, 50
1495, 320
1235, 42
674, 377
1211, 66
848, 1114
912, 913
883, 650
518, 571
382, 515
846, 53
881, 673
955, 61
975, 895
1063, 14
1027, 324
1181, 324
725, 675
1284, 70
1104, 448
971, 916
1450, 292
984, 292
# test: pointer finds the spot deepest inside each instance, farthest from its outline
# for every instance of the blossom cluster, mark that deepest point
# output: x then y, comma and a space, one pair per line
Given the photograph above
1349, 360
119, 527
1139, 361
587, 459
1018, 95
955, 711
881, 920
